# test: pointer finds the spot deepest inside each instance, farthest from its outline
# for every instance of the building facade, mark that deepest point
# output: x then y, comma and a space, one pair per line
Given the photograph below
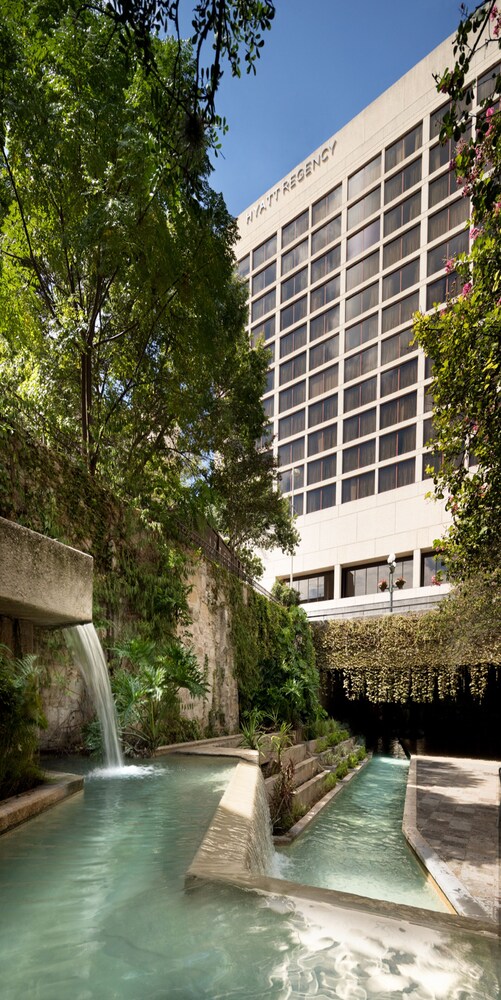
338, 257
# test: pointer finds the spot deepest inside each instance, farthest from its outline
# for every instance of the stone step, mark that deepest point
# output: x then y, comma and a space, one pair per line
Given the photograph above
310, 791
304, 770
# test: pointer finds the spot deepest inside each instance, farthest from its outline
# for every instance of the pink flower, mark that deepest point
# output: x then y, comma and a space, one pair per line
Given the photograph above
452, 164
474, 232
489, 113
498, 303
494, 13
467, 288
449, 265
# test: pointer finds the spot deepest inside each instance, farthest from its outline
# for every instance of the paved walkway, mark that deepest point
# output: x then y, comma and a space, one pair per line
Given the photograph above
458, 814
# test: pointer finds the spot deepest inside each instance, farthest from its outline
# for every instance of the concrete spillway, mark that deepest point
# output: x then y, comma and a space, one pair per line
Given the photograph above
42, 581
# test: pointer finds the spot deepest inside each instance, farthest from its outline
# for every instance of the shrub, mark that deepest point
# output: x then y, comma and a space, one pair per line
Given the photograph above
20, 717
361, 753
282, 799
341, 770
330, 781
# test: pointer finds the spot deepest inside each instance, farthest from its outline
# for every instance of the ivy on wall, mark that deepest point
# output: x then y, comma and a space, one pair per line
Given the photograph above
274, 657
418, 657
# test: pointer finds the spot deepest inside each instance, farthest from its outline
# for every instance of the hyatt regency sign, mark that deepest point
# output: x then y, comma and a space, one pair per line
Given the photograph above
292, 181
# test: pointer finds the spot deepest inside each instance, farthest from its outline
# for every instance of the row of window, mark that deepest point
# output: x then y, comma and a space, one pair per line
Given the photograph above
373, 578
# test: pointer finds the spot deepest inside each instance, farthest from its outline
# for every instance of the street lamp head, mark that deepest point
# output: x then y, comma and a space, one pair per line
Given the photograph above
392, 561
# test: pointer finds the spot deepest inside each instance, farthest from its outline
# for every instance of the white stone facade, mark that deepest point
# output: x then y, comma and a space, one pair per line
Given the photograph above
339, 254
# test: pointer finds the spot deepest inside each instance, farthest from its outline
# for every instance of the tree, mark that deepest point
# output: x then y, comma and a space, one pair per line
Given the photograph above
122, 317
462, 338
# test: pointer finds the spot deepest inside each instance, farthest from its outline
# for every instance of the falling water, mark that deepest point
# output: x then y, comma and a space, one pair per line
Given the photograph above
88, 655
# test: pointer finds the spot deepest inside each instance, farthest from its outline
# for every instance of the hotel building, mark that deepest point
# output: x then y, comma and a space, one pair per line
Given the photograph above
338, 256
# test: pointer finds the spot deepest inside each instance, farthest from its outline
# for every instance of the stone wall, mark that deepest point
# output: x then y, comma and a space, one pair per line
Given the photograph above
211, 639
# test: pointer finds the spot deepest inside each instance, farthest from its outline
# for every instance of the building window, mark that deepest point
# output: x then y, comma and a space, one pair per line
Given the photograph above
325, 409
404, 147
360, 425
265, 251
315, 588
321, 469
321, 498
323, 440
264, 330
360, 364
325, 293
397, 443
326, 205
323, 266
293, 341
361, 241
397, 346
264, 278
293, 258
288, 426
441, 188
447, 250
404, 245
243, 266
362, 271
294, 285
402, 181
270, 380
286, 479
362, 301
432, 463
442, 289
433, 569
398, 410
323, 382
291, 452
359, 456
359, 395
400, 312
361, 333
326, 351
401, 279
358, 581
392, 477
365, 176
362, 209
263, 305
293, 396
293, 368
399, 378
403, 213
324, 323
358, 487
269, 406
295, 229
294, 313
448, 218
327, 234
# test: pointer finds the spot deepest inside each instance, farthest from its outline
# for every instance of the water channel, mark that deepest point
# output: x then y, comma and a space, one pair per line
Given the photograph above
94, 908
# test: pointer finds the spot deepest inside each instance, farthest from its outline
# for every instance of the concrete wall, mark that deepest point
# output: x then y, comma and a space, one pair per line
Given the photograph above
41, 580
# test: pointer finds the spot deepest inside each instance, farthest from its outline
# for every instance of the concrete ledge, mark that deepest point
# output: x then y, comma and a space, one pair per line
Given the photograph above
218, 746
41, 580
449, 885
20, 808
238, 841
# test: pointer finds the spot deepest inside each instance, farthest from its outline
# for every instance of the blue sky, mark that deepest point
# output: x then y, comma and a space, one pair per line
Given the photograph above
315, 73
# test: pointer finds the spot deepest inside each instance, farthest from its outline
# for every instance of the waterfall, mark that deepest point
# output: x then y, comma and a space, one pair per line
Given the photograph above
88, 655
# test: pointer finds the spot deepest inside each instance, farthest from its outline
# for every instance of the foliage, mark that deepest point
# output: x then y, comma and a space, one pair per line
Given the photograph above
342, 770
398, 658
145, 688
281, 741
330, 782
121, 319
332, 739
20, 718
282, 799
251, 731
462, 338
284, 594
233, 25
274, 659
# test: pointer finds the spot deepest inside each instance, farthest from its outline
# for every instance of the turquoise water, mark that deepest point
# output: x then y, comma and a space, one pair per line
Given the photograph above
357, 845
93, 907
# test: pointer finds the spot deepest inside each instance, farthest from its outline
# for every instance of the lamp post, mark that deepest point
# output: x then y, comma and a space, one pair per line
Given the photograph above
294, 473
392, 565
